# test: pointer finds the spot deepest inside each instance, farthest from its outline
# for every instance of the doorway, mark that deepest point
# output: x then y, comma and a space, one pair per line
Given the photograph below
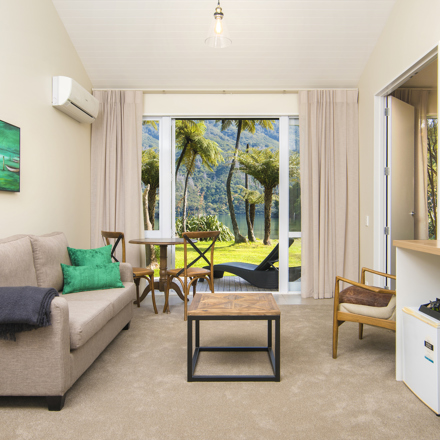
227, 179
159, 135
396, 215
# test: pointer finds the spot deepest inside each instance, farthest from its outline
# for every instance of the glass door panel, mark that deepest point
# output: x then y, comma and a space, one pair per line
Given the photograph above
294, 207
150, 173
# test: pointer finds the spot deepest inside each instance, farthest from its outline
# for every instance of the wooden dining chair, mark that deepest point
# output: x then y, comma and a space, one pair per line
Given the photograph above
363, 304
189, 274
138, 272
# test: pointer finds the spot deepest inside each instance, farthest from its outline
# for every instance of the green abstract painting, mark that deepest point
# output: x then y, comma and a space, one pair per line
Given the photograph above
9, 157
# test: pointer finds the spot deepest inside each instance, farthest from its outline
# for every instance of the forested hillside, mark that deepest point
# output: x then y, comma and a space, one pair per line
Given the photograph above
207, 189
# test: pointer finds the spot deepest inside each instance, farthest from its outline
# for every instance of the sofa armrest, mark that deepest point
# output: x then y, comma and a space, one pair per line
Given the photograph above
38, 362
126, 272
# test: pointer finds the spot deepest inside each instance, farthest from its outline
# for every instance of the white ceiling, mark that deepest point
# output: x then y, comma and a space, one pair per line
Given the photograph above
276, 44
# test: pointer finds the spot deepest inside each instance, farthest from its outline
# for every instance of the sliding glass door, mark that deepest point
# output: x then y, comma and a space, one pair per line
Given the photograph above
294, 207
199, 192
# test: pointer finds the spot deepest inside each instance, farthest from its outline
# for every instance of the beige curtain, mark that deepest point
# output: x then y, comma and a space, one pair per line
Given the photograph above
328, 121
116, 199
419, 100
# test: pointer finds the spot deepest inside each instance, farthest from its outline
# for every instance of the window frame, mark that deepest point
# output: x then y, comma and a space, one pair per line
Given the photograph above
167, 212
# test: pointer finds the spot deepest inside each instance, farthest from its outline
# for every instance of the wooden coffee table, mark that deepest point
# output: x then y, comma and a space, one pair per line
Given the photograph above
233, 306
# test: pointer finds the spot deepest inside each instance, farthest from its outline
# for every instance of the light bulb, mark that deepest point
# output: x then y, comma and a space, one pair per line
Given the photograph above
218, 26
218, 31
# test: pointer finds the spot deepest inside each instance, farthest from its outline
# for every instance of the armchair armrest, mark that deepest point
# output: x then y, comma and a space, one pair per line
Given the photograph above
354, 283
365, 269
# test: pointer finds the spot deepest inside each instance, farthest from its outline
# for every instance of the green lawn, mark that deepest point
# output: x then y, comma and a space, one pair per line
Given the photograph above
253, 253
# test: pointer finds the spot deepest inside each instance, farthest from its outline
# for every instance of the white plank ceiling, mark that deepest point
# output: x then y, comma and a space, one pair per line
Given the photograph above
276, 44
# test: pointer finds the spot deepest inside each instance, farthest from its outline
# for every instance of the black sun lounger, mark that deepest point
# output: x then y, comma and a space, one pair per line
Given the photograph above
264, 276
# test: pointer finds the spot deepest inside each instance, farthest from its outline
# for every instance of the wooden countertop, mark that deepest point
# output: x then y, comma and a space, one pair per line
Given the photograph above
426, 246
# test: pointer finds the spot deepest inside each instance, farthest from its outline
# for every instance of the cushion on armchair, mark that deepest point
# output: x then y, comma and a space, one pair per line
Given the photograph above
364, 297
364, 302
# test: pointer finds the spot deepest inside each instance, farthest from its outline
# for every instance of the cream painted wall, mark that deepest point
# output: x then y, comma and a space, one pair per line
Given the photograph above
432, 103
412, 30
427, 78
169, 104
55, 149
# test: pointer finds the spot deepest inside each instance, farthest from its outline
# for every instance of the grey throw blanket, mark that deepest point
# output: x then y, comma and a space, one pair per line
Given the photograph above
23, 309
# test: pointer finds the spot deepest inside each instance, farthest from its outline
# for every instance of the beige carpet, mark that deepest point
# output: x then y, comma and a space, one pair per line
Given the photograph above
137, 388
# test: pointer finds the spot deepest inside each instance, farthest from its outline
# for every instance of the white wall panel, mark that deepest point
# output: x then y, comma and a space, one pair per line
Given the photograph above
55, 149
205, 105
397, 50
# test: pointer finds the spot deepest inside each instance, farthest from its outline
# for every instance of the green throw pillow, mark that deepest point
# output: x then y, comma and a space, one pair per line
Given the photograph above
90, 257
84, 278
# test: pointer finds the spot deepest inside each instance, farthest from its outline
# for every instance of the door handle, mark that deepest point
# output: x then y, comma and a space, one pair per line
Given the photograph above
412, 213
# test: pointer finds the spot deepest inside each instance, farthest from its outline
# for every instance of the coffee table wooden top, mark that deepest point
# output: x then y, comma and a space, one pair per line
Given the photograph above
233, 304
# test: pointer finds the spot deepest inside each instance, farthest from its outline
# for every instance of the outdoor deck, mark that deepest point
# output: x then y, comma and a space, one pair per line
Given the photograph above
229, 284
232, 284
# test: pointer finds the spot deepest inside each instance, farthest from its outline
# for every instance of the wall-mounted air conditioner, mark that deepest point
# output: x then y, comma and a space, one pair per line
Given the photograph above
74, 100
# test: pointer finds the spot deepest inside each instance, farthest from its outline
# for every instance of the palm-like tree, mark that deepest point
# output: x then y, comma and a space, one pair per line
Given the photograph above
247, 207
191, 141
150, 176
186, 131
263, 166
152, 123
294, 170
432, 177
242, 125
252, 197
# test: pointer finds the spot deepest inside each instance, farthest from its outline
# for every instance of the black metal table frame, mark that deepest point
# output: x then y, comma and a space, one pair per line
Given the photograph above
193, 358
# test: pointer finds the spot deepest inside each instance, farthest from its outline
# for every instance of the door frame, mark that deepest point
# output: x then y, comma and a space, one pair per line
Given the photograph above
380, 138
167, 188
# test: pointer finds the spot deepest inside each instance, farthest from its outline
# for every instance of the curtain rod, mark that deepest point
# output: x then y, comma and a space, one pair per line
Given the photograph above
225, 92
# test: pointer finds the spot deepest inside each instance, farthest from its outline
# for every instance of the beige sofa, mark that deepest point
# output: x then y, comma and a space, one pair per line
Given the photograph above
48, 361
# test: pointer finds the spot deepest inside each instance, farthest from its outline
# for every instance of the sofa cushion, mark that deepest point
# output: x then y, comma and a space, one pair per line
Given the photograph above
17, 262
86, 278
86, 318
90, 257
119, 298
49, 252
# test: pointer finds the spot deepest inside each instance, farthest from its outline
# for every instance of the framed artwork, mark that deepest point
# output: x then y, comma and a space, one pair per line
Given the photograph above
9, 157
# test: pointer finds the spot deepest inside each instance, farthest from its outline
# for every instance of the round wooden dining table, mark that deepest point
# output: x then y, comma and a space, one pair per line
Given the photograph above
163, 243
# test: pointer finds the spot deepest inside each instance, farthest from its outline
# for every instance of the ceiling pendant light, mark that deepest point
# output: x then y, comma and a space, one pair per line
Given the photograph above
218, 35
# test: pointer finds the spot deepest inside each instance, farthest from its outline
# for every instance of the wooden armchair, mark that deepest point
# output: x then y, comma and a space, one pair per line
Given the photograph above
138, 272
189, 275
363, 304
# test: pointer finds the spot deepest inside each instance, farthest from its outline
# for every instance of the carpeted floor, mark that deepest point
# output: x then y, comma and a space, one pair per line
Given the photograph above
137, 388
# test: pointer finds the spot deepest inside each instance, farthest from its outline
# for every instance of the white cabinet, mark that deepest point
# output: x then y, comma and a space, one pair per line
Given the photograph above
418, 281
421, 356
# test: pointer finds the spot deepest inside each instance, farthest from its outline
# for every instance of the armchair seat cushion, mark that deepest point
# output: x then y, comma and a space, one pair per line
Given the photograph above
388, 312
358, 295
